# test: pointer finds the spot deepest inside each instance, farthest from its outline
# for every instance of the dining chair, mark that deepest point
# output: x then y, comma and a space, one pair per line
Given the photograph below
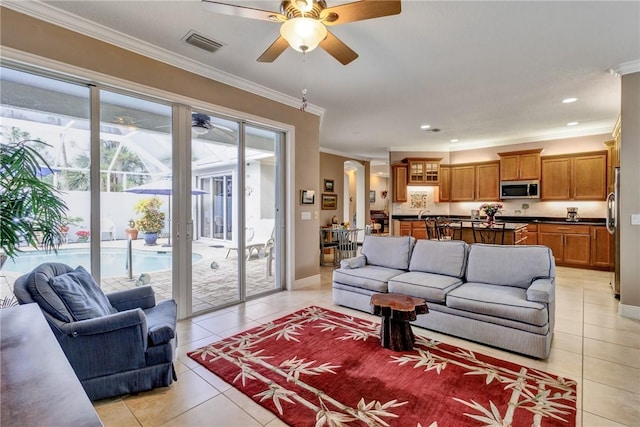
432, 230
328, 240
488, 233
449, 229
348, 243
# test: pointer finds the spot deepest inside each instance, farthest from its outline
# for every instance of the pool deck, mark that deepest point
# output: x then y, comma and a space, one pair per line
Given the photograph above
215, 276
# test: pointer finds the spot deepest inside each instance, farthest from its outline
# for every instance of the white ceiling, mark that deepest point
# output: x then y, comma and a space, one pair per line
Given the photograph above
485, 73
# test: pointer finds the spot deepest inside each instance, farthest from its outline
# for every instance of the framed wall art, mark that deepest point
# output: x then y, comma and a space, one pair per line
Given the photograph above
328, 185
329, 201
307, 197
372, 196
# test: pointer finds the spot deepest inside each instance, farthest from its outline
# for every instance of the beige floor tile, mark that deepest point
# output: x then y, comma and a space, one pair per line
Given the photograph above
160, 405
568, 342
612, 352
613, 374
253, 409
615, 336
220, 384
225, 321
569, 326
217, 411
591, 420
611, 403
116, 414
189, 331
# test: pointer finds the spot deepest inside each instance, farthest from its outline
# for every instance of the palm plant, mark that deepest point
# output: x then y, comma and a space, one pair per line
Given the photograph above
30, 208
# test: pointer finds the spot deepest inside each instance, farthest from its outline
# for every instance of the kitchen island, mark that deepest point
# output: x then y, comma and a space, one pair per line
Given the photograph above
515, 233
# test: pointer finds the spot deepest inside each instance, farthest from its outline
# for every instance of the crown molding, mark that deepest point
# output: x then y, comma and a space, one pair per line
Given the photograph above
626, 68
52, 15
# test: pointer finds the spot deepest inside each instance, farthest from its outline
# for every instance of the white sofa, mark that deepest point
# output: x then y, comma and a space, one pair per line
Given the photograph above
503, 296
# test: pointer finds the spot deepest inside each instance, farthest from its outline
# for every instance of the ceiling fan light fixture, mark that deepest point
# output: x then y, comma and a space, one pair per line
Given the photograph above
303, 34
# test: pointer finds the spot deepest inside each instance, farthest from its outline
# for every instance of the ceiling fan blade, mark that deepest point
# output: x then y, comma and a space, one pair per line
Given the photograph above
360, 10
336, 48
241, 11
273, 51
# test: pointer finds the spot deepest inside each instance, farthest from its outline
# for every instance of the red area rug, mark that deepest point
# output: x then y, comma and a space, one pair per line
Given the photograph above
318, 367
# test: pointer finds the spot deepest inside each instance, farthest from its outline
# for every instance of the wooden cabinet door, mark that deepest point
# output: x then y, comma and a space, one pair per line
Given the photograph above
532, 234
529, 166
445, 184
556, 179
405, 228
419, 229
488, 182
509, 168
590, 177
463, 183
416, 172
399, 172
601, 247
555, 242
577, 249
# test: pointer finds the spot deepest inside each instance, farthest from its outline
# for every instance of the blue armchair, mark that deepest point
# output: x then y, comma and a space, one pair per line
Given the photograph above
118, 343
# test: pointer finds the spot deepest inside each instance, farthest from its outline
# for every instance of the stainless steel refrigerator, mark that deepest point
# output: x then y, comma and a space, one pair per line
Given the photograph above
613, 213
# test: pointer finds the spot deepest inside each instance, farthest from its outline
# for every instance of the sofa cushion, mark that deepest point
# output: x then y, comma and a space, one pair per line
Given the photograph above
81, 295
431, 287
507, 302
371, 277
509, 265
389, 252
38, 287
440, 257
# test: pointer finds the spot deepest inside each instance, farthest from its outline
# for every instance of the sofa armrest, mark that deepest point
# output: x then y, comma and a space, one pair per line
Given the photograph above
142, 297
355, 262
108, 344
541, 290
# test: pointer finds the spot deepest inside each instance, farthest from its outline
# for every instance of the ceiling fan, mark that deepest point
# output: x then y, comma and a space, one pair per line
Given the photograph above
304, 23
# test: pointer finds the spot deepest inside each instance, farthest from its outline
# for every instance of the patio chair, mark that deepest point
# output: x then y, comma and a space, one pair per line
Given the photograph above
119, 343
108, 226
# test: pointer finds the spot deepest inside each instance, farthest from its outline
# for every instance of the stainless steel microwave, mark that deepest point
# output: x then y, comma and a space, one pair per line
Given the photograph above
520, 189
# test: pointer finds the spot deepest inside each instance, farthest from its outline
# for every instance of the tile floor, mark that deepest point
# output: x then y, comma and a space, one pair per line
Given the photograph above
592, 345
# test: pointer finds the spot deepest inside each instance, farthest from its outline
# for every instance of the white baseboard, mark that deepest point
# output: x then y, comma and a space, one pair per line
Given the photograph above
631, 311
304, 282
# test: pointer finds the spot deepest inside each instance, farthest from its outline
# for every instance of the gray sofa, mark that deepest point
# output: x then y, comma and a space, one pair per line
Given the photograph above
503, 296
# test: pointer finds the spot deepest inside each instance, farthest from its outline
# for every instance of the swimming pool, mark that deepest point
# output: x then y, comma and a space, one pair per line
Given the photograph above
113, 260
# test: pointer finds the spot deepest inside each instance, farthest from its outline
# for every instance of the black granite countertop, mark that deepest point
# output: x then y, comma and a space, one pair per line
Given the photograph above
516, 219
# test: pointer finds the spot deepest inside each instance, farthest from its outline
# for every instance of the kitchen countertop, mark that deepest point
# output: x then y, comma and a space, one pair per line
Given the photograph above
514, 219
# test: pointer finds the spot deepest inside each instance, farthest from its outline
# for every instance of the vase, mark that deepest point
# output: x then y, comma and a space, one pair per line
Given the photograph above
132, 233
491, 219
150, 239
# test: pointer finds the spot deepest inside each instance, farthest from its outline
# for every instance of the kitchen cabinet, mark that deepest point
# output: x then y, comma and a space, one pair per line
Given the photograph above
444, 189
399, 176
416, 229
488, 181
520, 165
521, 235
601, 247
575, 177
463, 183
570, 244
423, 171
419, 229
475, 181
532, 234
405, 228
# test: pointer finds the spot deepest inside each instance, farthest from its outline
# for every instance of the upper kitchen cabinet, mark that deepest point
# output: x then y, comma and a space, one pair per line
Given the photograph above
520, 165
574, 177
463, 183
475, 181
399, 176
488, 181
423, 171
444, 193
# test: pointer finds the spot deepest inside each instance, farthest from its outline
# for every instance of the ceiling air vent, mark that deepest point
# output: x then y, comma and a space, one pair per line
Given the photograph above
202, 42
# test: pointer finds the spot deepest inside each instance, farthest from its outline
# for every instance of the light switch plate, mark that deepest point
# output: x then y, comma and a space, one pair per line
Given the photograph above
305, 216
635, 219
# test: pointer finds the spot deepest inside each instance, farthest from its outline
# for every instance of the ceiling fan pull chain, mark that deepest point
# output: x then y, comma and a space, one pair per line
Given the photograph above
303, 107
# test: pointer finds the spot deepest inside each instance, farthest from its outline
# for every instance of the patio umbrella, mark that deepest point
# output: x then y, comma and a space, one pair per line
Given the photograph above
162, 187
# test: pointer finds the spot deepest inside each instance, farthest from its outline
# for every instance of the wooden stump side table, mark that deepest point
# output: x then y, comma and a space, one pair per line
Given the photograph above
397, 311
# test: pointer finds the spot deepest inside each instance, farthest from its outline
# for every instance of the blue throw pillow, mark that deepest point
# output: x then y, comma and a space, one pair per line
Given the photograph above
81, 294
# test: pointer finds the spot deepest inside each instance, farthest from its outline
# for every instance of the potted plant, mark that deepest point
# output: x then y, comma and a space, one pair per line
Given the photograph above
131, 230
30, 209
152, 220
83, 236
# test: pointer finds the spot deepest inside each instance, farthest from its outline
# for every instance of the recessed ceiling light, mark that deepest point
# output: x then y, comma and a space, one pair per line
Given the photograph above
454, 140
425, 126
569, 100
572, 123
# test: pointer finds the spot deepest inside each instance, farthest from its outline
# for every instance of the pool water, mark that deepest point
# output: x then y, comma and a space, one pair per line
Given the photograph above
113, 261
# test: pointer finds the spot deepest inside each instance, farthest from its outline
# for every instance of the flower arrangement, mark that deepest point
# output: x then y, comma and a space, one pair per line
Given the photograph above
490, 209
384, 194
152, 220
83, 235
